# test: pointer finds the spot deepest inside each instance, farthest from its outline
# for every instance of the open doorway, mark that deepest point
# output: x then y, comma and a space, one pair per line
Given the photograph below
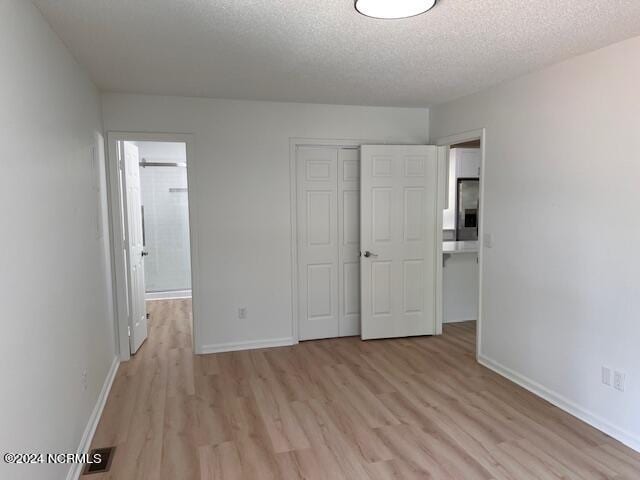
165, 219
153, 259
462, 225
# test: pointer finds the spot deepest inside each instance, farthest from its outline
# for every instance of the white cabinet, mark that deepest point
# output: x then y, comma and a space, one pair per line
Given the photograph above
460, 287
463, 163
467, 162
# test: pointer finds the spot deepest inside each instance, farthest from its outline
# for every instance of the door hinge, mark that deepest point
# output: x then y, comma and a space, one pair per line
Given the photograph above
129, 331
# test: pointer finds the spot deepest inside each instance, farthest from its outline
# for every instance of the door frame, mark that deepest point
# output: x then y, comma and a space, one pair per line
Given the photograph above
294, 143
114, 189
478, 134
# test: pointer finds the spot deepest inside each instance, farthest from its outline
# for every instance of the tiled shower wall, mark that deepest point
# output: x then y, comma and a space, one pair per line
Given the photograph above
166, 223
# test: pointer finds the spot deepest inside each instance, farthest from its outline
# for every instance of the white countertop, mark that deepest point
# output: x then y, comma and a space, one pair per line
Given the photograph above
459, 247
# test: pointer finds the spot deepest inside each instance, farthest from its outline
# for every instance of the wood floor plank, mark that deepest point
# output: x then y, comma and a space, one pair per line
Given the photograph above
220, 462
181, 378
180, 446
324, 433
282, 428
338, 409
407, 449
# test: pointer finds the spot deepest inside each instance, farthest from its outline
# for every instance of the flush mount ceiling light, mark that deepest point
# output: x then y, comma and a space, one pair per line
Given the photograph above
389, 9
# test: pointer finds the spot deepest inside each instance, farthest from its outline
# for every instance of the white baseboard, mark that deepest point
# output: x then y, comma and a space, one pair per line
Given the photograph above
168, 295
249, 345
92, 424
620, 434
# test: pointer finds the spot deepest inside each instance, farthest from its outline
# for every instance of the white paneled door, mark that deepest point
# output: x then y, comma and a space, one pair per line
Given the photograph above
134, 248
328, 199
401, 239
349, 240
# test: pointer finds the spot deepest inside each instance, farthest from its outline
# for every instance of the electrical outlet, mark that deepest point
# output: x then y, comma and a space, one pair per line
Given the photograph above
606, 376
618, 381
242, 313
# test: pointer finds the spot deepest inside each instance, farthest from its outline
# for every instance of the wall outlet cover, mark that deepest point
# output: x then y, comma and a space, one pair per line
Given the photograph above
618, 381
606, 376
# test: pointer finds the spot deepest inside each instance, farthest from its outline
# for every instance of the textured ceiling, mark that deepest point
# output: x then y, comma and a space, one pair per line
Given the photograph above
323, 51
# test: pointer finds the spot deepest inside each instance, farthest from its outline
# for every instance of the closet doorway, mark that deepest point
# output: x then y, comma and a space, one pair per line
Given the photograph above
387, 283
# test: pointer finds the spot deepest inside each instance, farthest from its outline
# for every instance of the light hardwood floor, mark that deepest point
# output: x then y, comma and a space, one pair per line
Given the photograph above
338, 409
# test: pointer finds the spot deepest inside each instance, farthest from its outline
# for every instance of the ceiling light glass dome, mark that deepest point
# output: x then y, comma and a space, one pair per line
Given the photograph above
393, 8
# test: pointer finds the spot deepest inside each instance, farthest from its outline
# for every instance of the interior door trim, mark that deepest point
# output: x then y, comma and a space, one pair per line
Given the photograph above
446, 141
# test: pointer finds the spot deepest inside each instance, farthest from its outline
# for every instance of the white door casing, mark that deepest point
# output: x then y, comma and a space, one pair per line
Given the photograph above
328, 209
401, 225
134, 248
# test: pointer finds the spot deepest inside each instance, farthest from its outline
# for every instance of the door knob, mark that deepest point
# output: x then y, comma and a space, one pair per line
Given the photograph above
368, 254
144, 254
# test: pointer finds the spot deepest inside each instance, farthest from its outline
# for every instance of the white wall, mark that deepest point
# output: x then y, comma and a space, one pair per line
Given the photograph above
242, 194
561, 295
56, 312
162, 151
449, 214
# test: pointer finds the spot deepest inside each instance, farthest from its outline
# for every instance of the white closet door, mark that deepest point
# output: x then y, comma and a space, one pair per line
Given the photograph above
349, 239
401, 229
318, 268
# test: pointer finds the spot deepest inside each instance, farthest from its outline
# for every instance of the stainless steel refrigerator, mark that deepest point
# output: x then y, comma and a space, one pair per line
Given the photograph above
468, 196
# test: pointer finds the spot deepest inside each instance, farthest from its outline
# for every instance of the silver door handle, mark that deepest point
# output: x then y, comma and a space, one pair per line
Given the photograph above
368, 254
